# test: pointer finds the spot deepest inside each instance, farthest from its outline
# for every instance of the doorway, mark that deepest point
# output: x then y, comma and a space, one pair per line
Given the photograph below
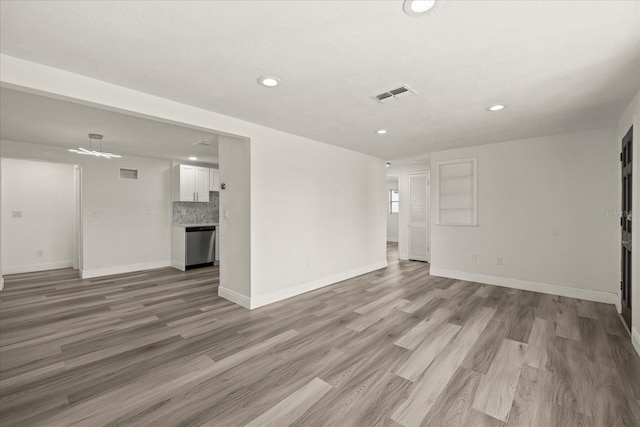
625, 224
40, 216
418, 242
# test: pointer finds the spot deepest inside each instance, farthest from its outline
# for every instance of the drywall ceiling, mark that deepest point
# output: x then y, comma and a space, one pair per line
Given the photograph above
36, 119
559, 65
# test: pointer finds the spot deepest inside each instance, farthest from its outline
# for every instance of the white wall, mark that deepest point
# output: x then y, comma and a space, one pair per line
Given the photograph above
45, 196
235, 220
631, 117
318, 216
126, 224
392, 218
337, 175
542, 208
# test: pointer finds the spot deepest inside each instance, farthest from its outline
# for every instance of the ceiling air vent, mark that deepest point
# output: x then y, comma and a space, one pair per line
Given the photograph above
394, 94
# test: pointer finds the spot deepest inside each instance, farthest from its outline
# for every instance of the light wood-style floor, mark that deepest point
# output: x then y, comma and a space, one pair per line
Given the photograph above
393, 347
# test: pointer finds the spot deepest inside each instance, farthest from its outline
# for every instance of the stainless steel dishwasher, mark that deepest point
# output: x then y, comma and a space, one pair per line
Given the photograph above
200, 243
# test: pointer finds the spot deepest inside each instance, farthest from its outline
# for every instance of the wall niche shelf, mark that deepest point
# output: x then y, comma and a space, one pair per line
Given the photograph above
457, 192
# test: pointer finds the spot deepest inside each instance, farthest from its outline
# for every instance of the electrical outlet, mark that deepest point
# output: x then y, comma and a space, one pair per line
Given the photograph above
474, 259
40, 253
499, 261
16, 214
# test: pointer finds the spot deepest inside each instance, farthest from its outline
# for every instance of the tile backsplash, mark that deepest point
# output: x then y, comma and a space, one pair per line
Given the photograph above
197, 212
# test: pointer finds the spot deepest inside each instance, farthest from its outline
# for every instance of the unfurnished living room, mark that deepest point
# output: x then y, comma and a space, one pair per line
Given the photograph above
320, 213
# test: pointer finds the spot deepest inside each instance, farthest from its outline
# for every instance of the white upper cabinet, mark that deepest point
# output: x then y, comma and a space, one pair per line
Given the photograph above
190, 184
202, 184
214, 180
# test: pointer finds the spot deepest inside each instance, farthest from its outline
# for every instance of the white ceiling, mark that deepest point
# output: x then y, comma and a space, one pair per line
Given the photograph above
559, 65
26, 117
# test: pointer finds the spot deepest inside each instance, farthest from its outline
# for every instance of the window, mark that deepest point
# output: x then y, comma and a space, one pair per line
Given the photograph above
394, 201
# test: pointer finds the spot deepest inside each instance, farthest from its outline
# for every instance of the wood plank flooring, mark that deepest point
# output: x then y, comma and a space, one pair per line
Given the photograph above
395, 347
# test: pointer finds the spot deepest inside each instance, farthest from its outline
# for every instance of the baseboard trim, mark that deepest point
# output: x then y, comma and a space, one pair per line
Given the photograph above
120, 269
635, 339
393, 240
234, 296
179, 266
545, 288
270, 298
37, 267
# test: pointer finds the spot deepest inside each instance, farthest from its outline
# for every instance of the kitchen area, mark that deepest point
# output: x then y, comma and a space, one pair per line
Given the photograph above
195, 214
146, 196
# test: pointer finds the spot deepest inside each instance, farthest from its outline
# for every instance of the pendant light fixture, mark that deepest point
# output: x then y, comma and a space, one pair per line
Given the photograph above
97, 138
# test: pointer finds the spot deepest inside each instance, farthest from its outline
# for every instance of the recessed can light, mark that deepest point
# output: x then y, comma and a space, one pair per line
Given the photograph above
269, 81
496, 107
417, 7
381, 131
388, 164
192, 158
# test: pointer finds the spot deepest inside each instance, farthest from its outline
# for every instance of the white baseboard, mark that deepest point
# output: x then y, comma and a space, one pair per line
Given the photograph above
545, 288
37, 267
120, 269
635, 339
394, 240
178, 266
264, 299
234, 296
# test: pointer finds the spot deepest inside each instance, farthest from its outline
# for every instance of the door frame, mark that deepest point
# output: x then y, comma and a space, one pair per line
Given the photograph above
626, 229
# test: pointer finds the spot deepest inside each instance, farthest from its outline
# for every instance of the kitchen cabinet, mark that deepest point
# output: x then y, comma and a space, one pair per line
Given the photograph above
214, 180
190, 183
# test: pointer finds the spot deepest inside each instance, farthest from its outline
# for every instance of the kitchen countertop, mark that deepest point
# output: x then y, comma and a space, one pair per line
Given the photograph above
206, 224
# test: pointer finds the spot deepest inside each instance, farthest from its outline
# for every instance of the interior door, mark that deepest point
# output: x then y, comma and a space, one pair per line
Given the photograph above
626, 224
419, 217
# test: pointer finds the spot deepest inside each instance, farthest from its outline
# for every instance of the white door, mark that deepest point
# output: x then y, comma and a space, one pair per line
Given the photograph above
419, 217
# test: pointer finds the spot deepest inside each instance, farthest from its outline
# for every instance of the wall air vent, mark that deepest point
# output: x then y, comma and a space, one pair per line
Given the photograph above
394, 94
128, 174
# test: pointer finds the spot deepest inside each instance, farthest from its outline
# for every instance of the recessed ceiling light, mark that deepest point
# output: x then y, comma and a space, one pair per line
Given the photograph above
417, 7
192, 158
496, 107
381, 131
269, 81
388, 164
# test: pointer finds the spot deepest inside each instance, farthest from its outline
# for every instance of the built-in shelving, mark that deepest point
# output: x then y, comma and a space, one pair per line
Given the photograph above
457, 198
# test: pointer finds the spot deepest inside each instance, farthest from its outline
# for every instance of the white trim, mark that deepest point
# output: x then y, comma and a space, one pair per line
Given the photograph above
545, 288
392, 240
635, 339
119, 269
282, 294
37, 267
1, 283
178, 266
234, 296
